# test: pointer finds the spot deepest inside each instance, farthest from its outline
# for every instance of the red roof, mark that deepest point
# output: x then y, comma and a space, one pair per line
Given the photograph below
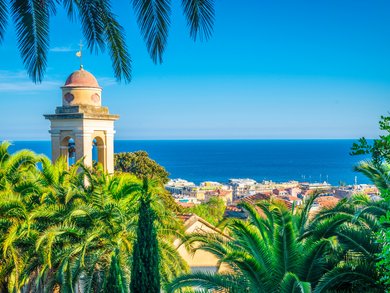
256, 197
327, 201
81, 78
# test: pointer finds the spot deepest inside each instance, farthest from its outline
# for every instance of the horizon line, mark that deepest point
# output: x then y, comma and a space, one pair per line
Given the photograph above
197, 139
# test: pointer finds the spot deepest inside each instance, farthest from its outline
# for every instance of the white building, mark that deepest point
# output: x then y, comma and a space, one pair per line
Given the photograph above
180, 187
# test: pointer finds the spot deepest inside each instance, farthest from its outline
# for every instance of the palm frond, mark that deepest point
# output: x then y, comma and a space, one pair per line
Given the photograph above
69, 6
200, 16
231, 283
92, 23
262, 225
3, 18
17, 163
4, 154
379, 174
153, 17
304, 215
327, 227
32, 31
258, 276
314, 262
359, 240
251, 241
285, 245
292, 284
348, 278
115, 38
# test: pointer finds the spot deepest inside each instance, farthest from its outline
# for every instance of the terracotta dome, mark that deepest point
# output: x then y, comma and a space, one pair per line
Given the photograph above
81, 78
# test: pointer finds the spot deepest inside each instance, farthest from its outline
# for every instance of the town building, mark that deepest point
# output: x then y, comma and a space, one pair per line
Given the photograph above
200, 261
324, 186
242, 187
225, 195
180, 187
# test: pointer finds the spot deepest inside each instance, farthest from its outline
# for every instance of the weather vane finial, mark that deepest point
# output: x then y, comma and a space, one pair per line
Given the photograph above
80, 54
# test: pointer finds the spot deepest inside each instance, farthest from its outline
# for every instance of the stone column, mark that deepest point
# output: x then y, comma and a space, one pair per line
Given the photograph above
102, 155
83, 142
110, 151
55, 145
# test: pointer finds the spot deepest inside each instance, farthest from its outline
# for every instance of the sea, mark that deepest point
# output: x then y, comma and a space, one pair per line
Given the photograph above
221, 160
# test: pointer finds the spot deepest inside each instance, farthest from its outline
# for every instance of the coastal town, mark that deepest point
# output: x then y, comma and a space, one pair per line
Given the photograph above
258, 163
188, 194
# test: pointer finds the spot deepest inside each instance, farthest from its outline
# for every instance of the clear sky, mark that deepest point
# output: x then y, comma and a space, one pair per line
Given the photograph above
273, 69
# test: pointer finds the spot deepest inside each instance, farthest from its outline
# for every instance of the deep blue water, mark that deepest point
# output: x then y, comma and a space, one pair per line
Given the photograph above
219, 160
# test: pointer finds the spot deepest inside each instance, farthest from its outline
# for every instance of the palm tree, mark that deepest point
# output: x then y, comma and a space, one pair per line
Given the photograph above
100, 28
262, 254
14, 169
92, 229
17, 199
66, 227
353, 225
378, 173
279, 251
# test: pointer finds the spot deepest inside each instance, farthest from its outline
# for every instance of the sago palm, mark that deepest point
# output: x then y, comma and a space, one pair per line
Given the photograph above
353, 224
261, 254
100, 28
276, 250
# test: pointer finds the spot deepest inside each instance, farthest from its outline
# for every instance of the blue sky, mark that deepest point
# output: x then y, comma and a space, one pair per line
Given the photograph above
273, 69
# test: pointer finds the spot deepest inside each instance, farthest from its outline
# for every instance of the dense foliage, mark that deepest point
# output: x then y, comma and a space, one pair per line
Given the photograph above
141, 165
380, 148
276, 250
378, 171
100, 27
212, 211
64, 227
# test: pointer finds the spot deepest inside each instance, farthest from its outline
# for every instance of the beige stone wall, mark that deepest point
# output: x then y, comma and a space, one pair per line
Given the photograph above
72, 96
83, 132
201, 260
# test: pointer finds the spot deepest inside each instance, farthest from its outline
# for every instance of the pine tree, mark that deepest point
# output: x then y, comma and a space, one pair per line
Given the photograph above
116, 282
145, 274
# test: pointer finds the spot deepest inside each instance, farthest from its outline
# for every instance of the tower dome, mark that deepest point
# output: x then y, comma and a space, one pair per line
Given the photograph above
81, 78
81, 88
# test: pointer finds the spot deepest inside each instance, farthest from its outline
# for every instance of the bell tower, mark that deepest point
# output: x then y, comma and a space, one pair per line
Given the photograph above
82, 127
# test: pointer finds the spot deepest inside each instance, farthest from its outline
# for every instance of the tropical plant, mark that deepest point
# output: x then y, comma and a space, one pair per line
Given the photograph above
276, 250
63, 228
377, 170
262, 254
377, 173
383, 264
353, 225
100, 28
16, 202
107, 221
212, 211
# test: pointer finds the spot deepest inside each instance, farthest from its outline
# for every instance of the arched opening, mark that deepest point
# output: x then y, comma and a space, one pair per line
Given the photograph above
68, 150
98, 151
